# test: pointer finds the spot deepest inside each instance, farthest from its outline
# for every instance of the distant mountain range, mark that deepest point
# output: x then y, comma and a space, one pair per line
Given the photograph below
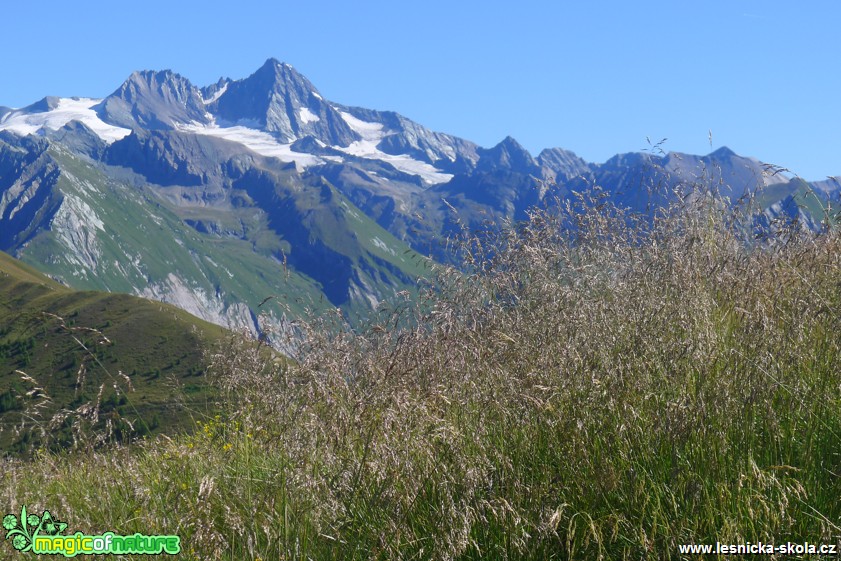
215, 198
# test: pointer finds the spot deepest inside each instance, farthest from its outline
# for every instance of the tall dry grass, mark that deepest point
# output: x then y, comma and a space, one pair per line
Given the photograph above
591, 385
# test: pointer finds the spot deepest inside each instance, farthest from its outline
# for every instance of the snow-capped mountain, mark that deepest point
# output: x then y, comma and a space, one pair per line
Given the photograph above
52, 113
215, 198
278, 100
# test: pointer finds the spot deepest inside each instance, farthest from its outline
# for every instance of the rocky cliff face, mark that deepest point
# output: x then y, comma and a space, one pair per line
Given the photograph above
280, 101
154, 100
28, 201
563, 164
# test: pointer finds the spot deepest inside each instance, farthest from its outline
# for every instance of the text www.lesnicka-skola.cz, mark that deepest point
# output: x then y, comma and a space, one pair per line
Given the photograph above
788, 548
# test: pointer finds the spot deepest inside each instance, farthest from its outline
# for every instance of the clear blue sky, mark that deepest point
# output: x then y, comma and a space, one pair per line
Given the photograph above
594, 77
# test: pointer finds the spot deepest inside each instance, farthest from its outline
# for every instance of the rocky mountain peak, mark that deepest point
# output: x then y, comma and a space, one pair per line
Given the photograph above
42, 106
212, 92
279, 100
507, 154
281, 78
153, 100
272, 65
563, 163
722, 153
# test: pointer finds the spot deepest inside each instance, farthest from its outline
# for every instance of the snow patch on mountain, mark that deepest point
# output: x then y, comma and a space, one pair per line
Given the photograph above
372, 134
368, 131
267, 145
68, 109
216, 95
307, 116
261, 142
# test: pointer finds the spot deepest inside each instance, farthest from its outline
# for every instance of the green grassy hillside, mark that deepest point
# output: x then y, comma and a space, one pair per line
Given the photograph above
62, 349
217, 251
